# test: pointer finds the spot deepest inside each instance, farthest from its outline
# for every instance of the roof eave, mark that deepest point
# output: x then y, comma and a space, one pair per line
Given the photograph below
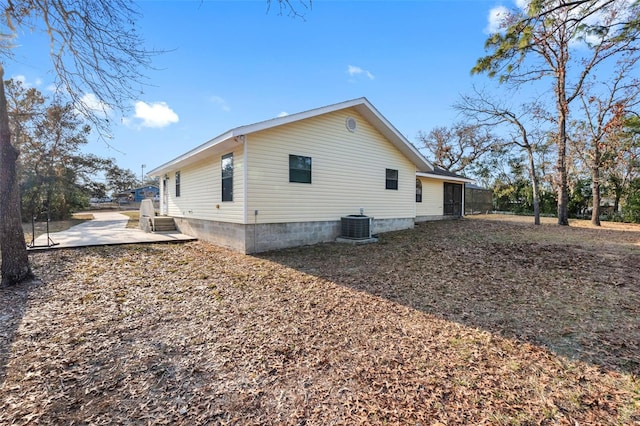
187, 157
362, 105
191, 156
443, 177
385, 127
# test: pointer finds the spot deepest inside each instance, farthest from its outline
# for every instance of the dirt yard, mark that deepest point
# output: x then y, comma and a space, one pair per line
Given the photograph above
460, 322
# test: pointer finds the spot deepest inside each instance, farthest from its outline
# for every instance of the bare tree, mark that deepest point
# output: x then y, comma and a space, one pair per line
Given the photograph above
293, 8
456, 148
626, 165
546, 35
597, 138
489, 112
95, 51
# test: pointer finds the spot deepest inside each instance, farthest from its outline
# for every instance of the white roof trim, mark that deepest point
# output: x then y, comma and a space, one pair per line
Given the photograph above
362, 105
443, 177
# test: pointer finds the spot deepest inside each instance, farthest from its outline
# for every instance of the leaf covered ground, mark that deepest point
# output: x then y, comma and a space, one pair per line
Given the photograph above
457, 322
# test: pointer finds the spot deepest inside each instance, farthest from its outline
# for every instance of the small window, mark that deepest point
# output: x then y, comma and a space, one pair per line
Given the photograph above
177, 184
418, 191
227, 177
299, 169
392, 179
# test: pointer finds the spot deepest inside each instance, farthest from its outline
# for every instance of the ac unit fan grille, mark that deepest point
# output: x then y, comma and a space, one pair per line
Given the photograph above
356, 227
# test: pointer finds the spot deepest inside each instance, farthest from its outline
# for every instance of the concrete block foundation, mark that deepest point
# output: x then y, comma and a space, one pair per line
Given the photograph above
261, 237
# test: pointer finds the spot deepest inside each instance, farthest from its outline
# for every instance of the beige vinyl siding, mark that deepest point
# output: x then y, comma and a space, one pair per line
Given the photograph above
201, 190
432, 198
347, 172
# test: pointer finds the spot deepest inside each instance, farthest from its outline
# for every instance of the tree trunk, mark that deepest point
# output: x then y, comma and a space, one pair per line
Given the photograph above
617, 191
563, 193
534, 183
595, 194
15, 262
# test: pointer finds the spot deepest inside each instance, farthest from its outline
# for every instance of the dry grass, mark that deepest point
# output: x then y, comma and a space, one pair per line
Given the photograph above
469, 322
609, 233
575, 223
134, 218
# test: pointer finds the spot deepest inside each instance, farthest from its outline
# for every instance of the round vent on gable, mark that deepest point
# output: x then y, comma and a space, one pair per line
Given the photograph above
352, 124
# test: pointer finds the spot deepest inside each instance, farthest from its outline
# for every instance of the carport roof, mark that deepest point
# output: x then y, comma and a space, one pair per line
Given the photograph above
442, 174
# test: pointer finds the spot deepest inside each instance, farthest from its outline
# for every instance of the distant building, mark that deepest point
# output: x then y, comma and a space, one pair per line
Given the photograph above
137, 194
143, 192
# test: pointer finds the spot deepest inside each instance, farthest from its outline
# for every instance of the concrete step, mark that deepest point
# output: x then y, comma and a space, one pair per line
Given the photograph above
164, 228
163, 224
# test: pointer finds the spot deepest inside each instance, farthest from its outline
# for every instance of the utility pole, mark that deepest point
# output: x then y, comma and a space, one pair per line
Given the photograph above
142, 175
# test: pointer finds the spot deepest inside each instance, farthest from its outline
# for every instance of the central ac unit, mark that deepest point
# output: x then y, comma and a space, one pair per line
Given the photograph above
356, 227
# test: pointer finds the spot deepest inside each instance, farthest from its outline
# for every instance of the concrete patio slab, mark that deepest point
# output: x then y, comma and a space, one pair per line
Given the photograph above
107, 228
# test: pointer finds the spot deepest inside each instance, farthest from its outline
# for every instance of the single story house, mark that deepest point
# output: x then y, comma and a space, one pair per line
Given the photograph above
143, 192
288, 181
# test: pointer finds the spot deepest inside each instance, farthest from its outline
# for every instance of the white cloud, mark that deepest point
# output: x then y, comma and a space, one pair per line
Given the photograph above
21, 78
353, 71
157, 114
283, 114
91, 103
522, 4
496, 19
220, 102
25, 83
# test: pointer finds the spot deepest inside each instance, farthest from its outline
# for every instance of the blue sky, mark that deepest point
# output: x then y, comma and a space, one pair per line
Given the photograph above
231, 63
